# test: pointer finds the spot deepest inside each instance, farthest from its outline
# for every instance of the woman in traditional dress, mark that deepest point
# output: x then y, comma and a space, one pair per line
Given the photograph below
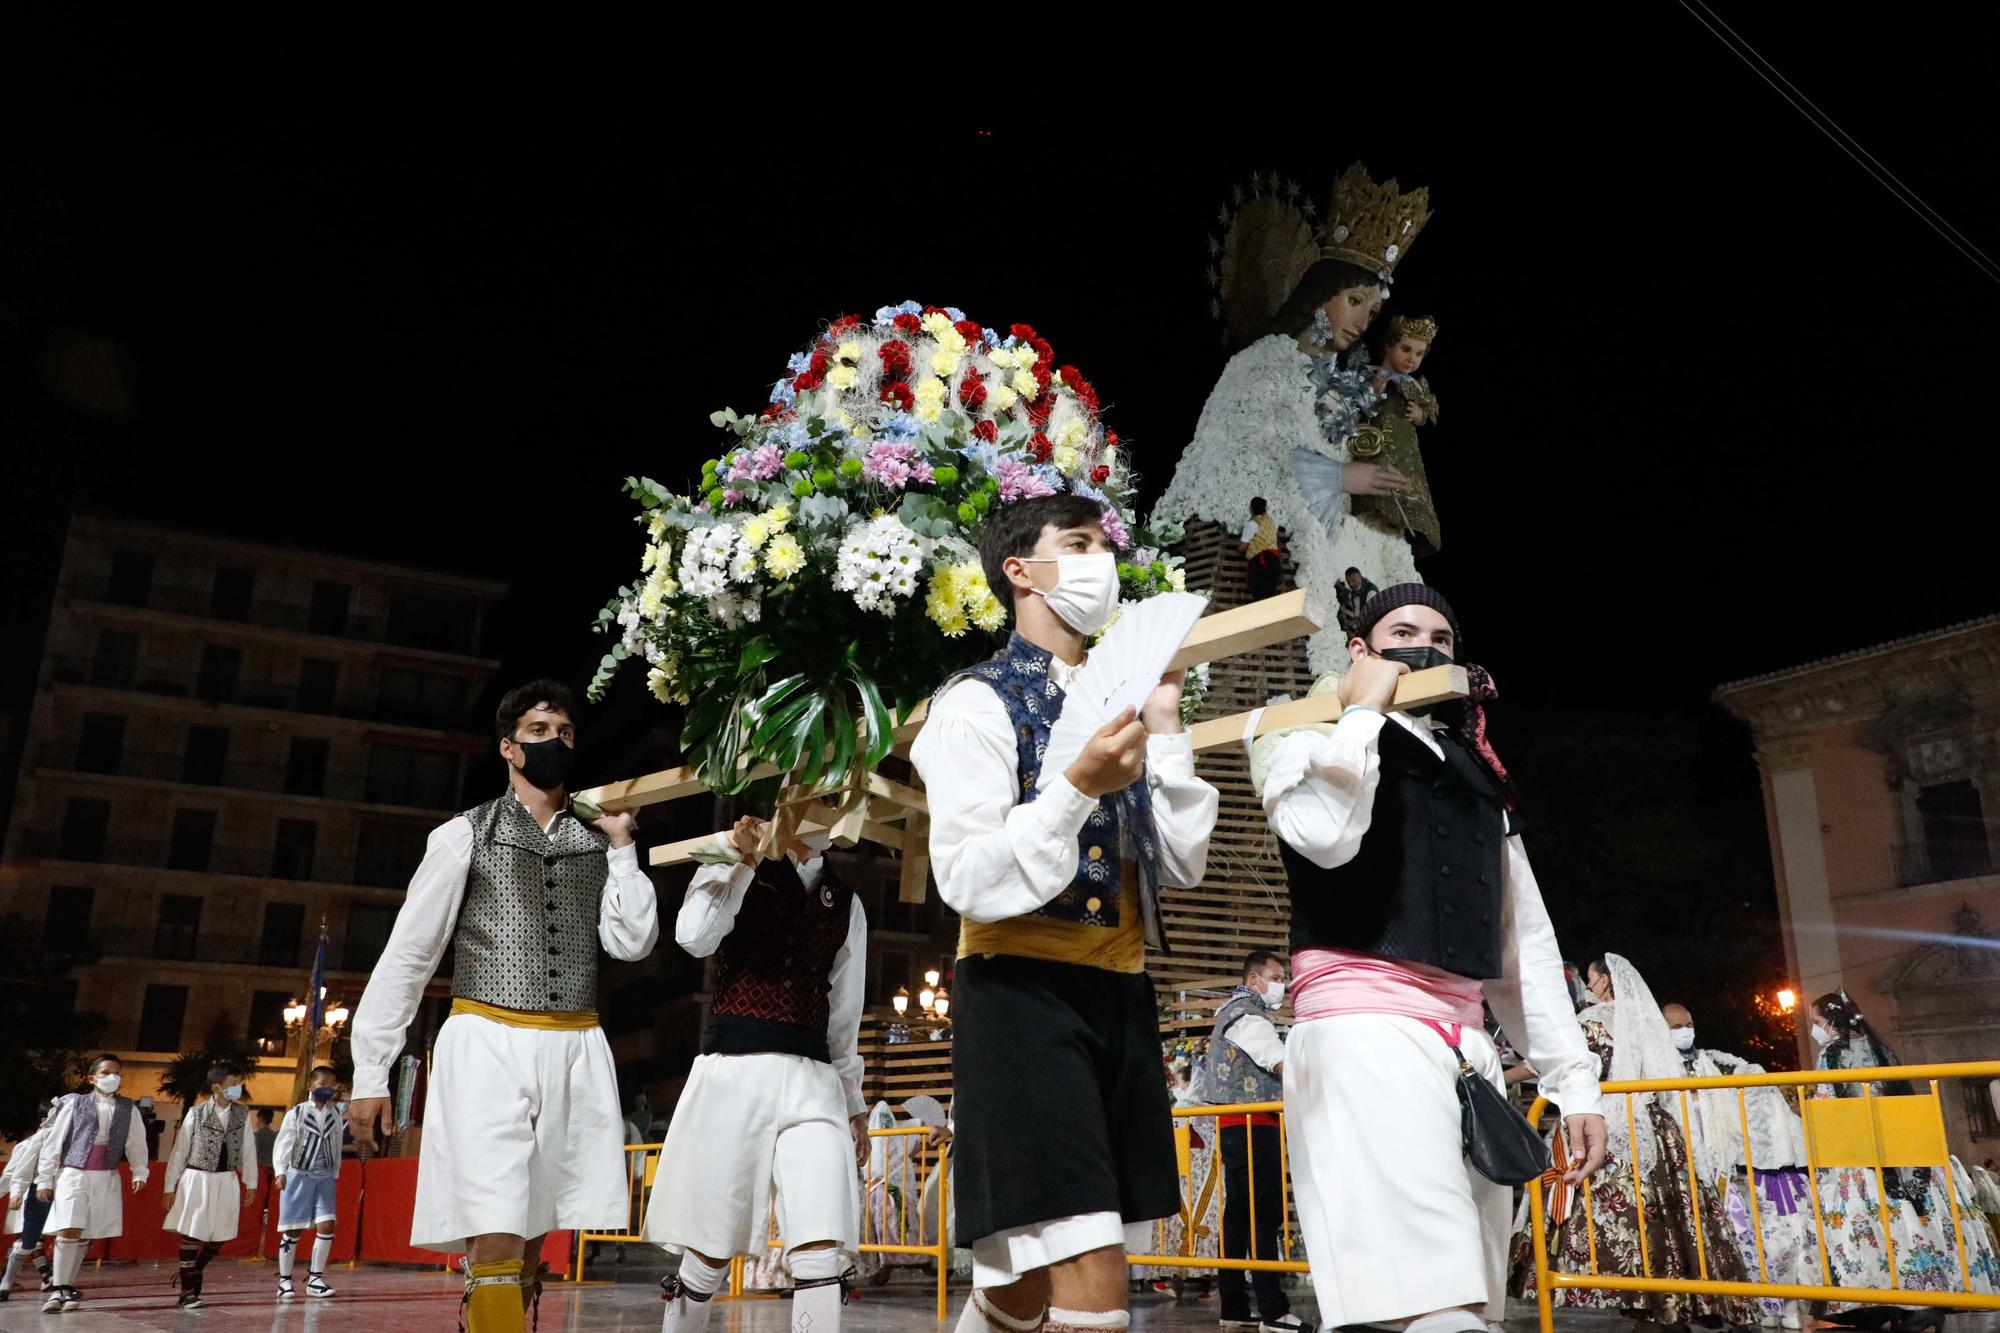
1920, 1227
1627, 1032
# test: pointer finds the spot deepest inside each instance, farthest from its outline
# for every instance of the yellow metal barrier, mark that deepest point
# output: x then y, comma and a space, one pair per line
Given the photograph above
1865, 1133
1194, 1195
644, 1165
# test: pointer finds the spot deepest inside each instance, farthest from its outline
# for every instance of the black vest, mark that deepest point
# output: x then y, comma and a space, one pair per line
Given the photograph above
1425, 886
774, 967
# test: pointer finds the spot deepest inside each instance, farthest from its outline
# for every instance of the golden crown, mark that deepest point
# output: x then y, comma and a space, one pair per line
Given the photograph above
1421, 327
1373, 226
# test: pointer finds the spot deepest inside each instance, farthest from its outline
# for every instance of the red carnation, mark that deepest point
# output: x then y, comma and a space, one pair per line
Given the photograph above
969, 330
1081, 386
1041, 381
895, 358
844, 323
909, 323
985, 430
971, 391
1038, 444
820, 361
1098, 474
898, 393
933, 310
1045, 355
1111, 438
808, 381
1024, 332
1038, 411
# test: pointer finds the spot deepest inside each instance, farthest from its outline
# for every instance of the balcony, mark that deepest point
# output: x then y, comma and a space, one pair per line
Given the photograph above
200, 602
379, 871
428, 632
273, 779
1955, 853
174, 684
185, 944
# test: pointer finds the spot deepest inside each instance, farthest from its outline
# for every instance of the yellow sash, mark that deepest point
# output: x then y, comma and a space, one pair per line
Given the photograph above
542, 1020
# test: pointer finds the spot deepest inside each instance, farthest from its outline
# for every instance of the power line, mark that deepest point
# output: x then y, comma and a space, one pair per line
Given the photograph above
1906, 196
1856, 143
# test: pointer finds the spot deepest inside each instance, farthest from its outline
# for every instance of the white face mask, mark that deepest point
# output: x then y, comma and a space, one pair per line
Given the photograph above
1822, 1035
1274, 993
1683, 1039
234, 1094
108, 1084
1086, 593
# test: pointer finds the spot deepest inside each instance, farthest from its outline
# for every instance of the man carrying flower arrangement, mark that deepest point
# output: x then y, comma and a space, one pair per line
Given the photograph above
1058, 891
522, 1134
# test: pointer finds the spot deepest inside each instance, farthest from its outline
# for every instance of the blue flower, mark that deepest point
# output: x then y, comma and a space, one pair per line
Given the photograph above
954, 314
984, 454
798, 363
1088, 492
887, 314
992, 338
783, 392
902, 428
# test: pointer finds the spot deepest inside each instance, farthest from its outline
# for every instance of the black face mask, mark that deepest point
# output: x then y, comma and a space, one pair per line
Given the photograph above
1419, 659
323, 1095
546, 764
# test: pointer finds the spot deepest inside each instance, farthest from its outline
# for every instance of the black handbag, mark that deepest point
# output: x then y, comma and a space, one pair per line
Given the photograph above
1499, 1141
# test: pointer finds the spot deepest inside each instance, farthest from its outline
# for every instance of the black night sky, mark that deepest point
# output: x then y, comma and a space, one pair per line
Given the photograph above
1716, 400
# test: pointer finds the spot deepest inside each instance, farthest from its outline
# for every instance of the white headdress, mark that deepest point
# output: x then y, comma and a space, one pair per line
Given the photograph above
1642, 1047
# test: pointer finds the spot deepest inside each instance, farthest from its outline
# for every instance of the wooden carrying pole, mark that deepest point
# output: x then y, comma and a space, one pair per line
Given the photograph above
1225, 634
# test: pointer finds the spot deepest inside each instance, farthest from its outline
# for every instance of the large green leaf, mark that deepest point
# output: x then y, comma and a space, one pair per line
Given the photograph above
772, 698
842, 767
756, 652
881, 727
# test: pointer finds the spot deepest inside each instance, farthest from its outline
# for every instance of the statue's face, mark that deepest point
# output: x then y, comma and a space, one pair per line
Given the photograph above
1405, 355
1351, 310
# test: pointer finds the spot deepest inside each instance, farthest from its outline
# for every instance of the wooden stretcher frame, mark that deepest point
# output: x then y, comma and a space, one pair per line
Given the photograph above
896, 814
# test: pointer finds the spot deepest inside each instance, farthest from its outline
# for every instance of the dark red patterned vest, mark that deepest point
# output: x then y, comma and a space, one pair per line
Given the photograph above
773, 969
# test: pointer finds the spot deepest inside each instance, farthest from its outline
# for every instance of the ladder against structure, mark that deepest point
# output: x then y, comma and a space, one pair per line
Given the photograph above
1242, 904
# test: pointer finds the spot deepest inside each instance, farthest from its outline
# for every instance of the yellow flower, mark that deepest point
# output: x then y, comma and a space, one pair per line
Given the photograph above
841, 377
1074, 433
779, 515
944, 363
1002, 398
951, 340
930, 396
650, 602
656, 526
849, 351
660, 682
784, 557
650, 558
1024, 384
989, 615
860, 432
1067, 459
755, 529
937, 324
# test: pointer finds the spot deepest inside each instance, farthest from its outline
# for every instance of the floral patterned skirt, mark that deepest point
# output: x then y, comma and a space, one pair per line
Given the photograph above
1670, 1250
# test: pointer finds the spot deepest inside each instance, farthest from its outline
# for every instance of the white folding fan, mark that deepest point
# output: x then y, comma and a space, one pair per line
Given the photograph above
1122, 670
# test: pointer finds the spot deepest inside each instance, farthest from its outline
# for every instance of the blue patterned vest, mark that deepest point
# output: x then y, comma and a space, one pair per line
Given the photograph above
1120, 829
1230, 1077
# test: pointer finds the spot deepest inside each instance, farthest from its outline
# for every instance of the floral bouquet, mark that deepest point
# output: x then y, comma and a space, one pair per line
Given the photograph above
825, 575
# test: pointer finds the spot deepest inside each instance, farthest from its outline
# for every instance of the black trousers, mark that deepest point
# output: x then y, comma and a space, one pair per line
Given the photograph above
1265, 571
1237, 1231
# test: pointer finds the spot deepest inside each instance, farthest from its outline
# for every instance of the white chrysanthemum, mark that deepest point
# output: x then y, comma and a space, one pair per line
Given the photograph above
879, 561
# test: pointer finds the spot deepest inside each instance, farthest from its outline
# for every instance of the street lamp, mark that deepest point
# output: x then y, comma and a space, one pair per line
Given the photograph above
333, 1017
1787, 1000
